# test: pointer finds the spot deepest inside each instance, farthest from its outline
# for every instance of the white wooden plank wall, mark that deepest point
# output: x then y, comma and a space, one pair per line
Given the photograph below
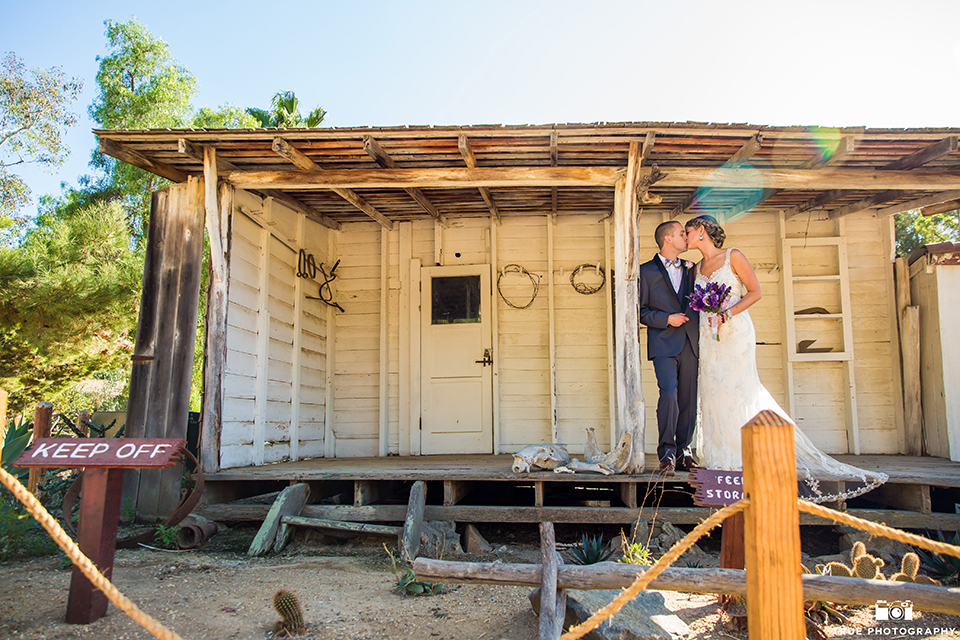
241, 442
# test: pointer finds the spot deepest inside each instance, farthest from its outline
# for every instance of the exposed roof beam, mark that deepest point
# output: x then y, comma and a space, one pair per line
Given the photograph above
126, 154
918, 158
471, 162
743, 154
380, 155
943, 207
568, 176
925, 155
920, 203
844, 147
643, 192
298, 158
195, 152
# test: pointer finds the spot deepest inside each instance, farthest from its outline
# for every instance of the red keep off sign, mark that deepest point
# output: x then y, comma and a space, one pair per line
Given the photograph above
101, 452
716, 488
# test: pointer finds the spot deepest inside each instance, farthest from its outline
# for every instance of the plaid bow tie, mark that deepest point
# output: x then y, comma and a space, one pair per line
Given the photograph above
673, 263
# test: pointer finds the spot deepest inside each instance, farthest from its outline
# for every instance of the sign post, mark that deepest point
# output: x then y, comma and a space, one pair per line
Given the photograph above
719, 489
103, 460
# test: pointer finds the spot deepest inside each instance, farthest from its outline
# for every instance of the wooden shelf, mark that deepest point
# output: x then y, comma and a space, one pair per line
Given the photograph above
815, 278
820, 316
827, 356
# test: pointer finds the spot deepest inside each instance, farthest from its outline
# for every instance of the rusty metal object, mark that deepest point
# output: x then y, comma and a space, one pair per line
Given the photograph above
186, 505
192, 536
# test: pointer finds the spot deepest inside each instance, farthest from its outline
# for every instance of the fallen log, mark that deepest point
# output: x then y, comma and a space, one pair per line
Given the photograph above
614, 575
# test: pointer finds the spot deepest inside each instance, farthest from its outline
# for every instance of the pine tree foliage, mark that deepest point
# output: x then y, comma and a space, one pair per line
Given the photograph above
68, 300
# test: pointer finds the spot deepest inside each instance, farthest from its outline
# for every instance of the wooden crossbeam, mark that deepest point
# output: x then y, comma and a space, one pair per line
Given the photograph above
943, 207
471, 161
866, 203
125, 154
918, 158
920, 203
195, 151
298, 158
380, 155
749, 203
570, 176
743, 154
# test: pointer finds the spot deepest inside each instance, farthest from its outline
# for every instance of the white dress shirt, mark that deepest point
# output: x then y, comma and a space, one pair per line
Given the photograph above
675, 273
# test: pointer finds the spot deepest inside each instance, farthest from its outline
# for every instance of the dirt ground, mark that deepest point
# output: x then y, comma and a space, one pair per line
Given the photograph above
347, 591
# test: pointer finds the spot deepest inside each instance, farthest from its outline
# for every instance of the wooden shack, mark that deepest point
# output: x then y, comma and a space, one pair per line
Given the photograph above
935, 289
392, 302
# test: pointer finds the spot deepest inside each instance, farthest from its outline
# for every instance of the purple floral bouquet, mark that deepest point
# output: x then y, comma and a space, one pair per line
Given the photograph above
710, 298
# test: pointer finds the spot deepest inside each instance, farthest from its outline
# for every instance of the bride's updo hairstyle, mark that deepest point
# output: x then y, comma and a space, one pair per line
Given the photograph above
710, 227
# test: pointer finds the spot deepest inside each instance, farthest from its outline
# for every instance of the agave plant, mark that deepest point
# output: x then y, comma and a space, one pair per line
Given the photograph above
945, 568
591, 550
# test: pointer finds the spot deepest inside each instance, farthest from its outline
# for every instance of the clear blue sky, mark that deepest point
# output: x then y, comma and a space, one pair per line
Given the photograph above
817, 62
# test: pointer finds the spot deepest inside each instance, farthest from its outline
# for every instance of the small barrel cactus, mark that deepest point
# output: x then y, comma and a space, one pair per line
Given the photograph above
288, 606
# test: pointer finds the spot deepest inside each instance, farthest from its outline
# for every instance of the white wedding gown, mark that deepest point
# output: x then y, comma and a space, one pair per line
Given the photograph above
730, 394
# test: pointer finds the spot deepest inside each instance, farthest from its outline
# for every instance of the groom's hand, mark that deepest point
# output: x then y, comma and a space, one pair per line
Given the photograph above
677, 319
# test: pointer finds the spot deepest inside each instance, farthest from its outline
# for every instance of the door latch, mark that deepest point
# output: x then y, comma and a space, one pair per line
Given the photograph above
487, 357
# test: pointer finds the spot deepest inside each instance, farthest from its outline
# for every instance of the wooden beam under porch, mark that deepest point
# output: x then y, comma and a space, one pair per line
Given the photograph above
484, 488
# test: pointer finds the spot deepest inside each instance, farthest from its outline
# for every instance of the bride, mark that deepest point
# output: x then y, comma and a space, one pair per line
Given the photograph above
730, 392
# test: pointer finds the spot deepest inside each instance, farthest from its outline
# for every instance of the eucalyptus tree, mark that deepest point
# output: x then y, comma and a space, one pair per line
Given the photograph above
35, 111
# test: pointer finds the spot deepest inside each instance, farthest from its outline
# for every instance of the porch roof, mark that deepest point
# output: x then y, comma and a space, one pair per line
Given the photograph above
394, 174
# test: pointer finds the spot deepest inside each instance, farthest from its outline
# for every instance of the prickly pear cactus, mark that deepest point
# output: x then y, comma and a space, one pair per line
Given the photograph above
859, 549
837, 569
288, 606
867, 566
908, 571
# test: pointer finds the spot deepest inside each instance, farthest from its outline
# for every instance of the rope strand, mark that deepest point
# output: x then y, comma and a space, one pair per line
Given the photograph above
76, 556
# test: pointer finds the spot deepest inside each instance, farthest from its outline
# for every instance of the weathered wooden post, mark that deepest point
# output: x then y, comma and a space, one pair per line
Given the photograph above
42, 421
553, 601
772, 529
104, 460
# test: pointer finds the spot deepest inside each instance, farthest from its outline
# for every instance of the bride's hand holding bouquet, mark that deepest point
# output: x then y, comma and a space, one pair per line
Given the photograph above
711, 299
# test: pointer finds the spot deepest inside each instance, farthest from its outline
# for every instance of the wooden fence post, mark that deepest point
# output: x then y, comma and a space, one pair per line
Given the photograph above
42, 421
772, 529
553, 601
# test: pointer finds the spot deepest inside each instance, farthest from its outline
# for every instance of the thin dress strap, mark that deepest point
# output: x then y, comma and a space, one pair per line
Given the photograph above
726, 262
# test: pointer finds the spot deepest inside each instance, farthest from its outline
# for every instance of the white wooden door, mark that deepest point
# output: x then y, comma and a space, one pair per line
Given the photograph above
456, 359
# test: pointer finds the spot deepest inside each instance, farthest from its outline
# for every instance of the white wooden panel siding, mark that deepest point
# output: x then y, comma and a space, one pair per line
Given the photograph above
524, 339
581, 333
262, 408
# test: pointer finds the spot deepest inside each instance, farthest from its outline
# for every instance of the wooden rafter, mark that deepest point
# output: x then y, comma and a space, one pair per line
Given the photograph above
916, 159
743, 154
380, 155
844, 147
126, 154
298, 158
464, 144
943, 207
195, 152
920, 203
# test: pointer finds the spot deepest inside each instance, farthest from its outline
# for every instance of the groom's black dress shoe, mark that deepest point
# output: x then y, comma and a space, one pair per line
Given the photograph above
667, 467
686, 463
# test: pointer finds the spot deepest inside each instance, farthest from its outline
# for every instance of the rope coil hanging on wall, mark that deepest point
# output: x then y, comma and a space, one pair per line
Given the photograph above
583, 288
534, 281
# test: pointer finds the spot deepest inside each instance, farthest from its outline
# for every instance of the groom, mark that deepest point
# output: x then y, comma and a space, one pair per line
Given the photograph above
672, 344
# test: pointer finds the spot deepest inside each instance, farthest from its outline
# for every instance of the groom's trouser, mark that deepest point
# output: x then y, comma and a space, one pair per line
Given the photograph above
677, 407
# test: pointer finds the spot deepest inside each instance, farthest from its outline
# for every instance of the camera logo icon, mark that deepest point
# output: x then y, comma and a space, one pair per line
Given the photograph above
895, 610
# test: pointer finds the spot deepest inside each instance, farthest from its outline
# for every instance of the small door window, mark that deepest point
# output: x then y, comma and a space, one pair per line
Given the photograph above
456, 299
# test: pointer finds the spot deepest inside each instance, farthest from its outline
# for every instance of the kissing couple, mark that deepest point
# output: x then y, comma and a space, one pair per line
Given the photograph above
707, 375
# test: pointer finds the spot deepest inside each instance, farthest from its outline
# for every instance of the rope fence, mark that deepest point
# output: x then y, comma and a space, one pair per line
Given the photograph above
647, 576
701, 529
73, 552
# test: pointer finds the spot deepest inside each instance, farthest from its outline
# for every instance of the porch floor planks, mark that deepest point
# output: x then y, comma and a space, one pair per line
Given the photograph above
936, 472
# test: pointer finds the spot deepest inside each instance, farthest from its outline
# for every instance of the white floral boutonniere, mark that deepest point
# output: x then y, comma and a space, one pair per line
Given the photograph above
688, 264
